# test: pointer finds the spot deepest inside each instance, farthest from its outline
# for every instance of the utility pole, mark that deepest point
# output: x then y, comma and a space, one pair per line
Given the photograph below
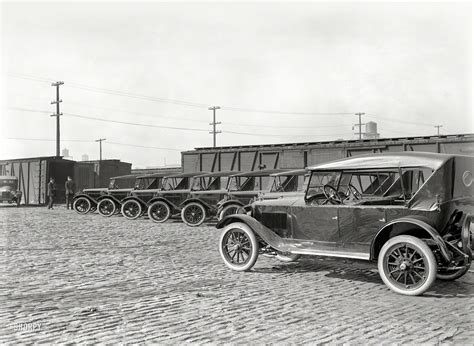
100, 146
438, 126
214, 123
57, 115
360, 124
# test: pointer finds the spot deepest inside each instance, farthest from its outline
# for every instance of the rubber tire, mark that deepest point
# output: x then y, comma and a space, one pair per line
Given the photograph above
168, 211
421, 248
140, 209
183, 211
292, 257
107, 200
221, 214
253, 241
88, 203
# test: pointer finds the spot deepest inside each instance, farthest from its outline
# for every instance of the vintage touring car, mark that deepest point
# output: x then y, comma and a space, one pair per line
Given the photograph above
244, 188
206, 191
412, 212
146, 187
167, 202
9, 191
87, 200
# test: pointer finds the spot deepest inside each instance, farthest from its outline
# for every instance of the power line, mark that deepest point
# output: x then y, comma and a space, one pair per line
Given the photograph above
92, 141
132, 123
286, 135
145, 146
28, 110
438, 127
250, 110
178, 102
139, 113
50, 140
398, 121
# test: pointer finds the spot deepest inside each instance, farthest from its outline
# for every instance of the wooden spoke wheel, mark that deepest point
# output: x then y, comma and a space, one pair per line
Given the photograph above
159, 211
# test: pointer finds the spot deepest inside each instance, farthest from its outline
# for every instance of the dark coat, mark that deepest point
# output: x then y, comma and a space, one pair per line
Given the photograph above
70, 187
51, 189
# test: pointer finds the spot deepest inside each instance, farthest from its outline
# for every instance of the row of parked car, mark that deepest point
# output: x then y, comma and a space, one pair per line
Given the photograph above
195, 197
411, 213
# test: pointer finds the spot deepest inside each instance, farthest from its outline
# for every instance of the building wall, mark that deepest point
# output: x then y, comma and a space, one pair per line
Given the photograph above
299, 155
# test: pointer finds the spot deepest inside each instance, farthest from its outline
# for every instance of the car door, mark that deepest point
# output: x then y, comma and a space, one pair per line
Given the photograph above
358, 226
317, 223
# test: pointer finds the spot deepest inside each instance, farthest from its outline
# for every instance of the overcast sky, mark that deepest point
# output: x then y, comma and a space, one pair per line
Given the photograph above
407, 66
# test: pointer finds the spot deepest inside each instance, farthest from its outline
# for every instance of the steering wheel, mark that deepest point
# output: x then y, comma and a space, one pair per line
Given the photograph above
331, 194
352, 189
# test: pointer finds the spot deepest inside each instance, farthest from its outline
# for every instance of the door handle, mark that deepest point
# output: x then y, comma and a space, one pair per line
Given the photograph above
334, 218
382, 219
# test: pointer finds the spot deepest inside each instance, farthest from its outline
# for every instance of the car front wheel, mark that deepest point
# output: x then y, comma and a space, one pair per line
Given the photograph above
131, 209
159, 211
238, 247
82, 205
407, 265
193, 214
106, 207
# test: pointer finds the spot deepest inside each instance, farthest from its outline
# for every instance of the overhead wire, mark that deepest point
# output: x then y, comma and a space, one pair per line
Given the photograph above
93, 141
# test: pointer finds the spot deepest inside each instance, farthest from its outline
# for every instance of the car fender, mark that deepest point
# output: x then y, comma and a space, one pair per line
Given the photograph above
93, 200
113, 198
162, 199
230, 201
134, 198
196, 200
418, 222
268, 236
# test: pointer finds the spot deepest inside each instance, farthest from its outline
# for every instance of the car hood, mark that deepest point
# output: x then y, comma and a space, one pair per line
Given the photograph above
282, 202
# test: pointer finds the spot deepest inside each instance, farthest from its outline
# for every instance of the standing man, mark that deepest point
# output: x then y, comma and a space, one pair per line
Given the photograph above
70, 188
51, 192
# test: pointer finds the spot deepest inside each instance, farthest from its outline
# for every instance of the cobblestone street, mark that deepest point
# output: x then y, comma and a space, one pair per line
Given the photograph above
67, 277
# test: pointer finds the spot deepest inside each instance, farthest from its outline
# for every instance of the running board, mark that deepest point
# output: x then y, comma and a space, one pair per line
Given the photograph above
327, 253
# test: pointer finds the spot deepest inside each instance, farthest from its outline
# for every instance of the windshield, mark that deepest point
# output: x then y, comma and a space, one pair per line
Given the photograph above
287, 183
318, 180
173, 183
248, 183
147, 183
371, 185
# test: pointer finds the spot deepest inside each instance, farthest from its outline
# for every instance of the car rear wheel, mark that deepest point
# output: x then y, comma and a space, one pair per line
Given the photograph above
193, 214
106, 207
229, 210
238, 247
159, 211
407, 265
131, 209
82, 205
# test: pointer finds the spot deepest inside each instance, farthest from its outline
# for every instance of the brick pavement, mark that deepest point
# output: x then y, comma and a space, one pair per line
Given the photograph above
67, 277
